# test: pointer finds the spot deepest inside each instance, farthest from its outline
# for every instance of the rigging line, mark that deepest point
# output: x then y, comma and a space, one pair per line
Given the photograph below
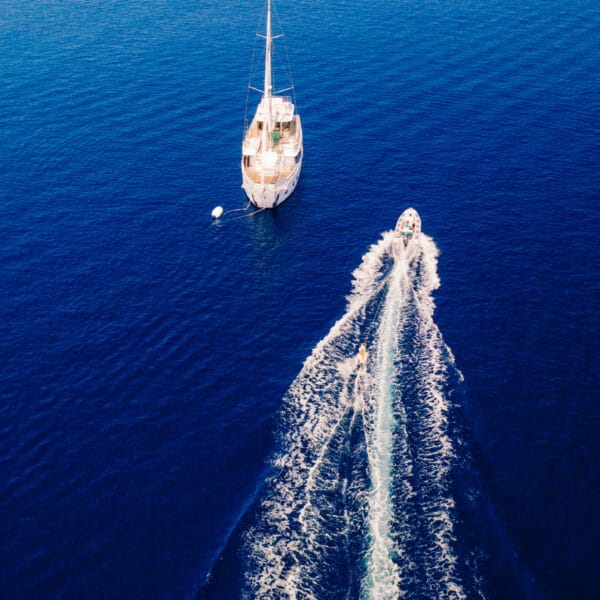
253, 67
285, 64
285, 68
276, 15
250, 77
288, 70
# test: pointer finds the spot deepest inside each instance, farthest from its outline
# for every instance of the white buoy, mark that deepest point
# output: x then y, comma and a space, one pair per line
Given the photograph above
217, 211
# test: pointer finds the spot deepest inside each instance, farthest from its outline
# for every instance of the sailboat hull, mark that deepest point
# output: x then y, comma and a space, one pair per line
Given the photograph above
269, 195
272, 146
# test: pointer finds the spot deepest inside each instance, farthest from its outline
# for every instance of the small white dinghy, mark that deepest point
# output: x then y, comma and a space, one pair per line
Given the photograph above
408, 226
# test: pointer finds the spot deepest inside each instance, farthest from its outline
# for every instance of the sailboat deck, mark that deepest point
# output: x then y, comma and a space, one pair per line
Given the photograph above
258, 177
285, 135
288, 137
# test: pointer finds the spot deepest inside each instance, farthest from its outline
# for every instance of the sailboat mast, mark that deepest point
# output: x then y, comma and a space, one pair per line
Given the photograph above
268, 88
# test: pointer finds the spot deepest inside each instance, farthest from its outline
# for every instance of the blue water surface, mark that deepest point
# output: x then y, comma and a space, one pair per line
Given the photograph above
145, 351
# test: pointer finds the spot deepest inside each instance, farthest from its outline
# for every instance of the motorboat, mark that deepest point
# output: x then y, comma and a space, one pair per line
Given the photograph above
408, 226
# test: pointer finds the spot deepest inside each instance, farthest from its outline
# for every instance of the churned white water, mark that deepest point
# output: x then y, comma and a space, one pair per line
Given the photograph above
359, 502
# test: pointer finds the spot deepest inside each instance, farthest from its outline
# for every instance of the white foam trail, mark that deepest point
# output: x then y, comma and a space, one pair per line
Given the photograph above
288, 543
435, 450
383, 574
368, 278
348, 463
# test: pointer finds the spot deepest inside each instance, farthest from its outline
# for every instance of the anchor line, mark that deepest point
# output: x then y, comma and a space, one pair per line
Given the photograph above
255, 212
249, 214
237, 209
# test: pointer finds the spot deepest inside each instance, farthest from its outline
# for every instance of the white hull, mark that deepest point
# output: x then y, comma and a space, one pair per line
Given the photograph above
272, 153
272, 146
408, 227
270, 195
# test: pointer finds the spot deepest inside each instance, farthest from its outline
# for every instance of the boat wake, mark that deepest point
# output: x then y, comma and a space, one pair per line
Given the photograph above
359, 504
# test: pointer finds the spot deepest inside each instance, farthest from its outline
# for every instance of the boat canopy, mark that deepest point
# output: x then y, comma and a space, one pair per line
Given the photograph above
250, 146
282, 109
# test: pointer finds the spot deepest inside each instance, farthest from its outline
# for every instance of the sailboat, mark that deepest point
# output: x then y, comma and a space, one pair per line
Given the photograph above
272, 146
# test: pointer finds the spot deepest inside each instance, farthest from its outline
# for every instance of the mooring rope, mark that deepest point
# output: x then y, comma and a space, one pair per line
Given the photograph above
236, 209
250, 214
255, 212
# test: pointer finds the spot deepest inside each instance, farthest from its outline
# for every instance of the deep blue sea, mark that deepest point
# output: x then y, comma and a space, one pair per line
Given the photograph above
182, 414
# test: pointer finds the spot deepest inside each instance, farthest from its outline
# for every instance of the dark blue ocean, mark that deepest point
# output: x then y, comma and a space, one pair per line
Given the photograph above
181, 412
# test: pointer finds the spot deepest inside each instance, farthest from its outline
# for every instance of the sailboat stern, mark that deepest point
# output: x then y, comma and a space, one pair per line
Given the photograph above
271, 164
267, 191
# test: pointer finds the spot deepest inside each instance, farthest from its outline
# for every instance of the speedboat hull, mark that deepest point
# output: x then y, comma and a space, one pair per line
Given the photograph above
408, 226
